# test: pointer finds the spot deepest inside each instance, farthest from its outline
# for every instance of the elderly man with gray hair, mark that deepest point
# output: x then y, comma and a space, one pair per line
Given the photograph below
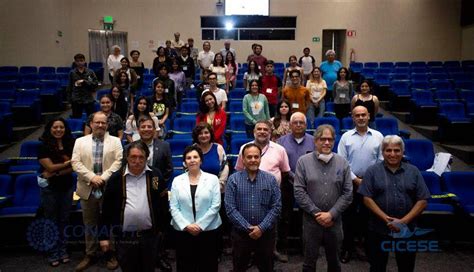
323, 189
395, 193
329, 69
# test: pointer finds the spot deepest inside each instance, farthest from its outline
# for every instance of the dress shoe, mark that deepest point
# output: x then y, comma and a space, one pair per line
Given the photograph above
281, 257
85, 263
112, 263
346, 256
164, 265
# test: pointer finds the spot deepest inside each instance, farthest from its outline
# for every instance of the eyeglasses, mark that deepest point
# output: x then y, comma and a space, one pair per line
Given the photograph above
326, 140
212, 78
298, 123
294, 76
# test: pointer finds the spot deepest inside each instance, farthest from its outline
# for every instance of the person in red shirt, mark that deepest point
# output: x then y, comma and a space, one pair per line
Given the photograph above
271, 85
211, 113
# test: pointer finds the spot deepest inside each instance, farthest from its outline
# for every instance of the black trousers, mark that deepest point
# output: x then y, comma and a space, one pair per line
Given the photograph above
137, 252
378, 258
197, 253
354, 223
243, 246
342, 110
78, 108
272, 108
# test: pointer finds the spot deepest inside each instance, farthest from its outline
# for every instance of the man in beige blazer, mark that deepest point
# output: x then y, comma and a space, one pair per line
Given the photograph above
94, 158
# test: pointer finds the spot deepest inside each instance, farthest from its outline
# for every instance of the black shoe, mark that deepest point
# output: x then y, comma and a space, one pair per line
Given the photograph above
346, 256
165, 266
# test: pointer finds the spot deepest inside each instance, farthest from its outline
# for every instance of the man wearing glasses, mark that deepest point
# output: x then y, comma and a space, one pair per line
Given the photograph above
298, 96
323, 189
221, 95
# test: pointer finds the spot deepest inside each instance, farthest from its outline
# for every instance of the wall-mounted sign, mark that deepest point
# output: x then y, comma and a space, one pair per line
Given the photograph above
351, 33
316, 39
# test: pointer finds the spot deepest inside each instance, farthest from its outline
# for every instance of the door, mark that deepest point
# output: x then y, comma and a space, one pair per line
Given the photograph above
334, 39
100, 42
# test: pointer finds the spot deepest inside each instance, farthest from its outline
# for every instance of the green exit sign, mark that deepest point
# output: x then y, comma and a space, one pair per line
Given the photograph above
108, 20
316, 39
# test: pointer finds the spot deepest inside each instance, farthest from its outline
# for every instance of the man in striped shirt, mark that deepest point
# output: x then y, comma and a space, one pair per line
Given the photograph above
253, 204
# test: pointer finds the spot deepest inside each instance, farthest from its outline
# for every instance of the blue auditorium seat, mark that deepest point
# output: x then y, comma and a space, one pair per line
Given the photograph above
76, 125
386, 64
446, 96
237, 93
235, 106
420, 153
436, 205
178, 145
27, 162
237, 123
46, 70
368, 73
382, 79
190, 107
453, 112
434, 63
356, 67
389, 126
402, 64
237, 143
346, 124
183, 126
63, 70
28, 70
419, 77
400, 88
26, 197
9, 69
442, 85
462, 185
27, 107
452, 63
420, 85
100, 93
333, 121
418, 64
371, 65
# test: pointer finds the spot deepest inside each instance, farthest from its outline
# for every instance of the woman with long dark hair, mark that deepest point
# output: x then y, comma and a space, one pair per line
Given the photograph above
211, 113
281, 121
120, 104
342, 92
231, 69
54, 156
114, 122
141, 108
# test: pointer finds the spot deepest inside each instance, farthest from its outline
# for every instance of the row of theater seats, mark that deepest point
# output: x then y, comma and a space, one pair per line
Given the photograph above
452, 194
434, 93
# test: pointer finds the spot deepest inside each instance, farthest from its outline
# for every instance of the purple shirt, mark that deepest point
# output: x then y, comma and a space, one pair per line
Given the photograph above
295, 150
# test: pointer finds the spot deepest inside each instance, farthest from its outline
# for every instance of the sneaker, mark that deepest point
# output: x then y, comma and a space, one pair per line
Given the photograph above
281, 257
112, 263
84, 264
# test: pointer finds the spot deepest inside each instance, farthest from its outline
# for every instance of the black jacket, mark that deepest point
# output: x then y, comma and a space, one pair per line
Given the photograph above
114, 199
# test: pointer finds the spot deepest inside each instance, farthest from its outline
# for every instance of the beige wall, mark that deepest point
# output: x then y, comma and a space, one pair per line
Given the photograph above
386, 30
467, 46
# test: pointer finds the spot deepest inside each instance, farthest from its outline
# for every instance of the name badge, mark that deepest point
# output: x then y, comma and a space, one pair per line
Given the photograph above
295, 106
343, 95
269, 90
185, 68
166, 91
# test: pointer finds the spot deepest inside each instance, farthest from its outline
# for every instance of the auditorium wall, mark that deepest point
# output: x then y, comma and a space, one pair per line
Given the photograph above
467, 47
386, 30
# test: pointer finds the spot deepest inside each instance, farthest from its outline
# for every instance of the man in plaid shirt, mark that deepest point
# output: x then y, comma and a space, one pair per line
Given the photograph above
253, 204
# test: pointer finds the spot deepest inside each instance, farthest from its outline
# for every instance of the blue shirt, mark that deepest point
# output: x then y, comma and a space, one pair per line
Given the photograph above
252, 202
394, 193
295, 150
361, 151
330, 72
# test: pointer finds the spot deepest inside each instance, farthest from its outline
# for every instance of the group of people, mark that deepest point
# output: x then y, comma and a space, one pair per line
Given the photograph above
125, 190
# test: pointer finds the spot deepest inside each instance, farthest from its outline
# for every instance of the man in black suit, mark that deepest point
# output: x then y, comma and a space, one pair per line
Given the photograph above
160, 152
136, 219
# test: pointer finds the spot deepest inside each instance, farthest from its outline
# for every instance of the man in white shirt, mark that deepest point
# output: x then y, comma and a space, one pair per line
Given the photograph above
227, 49
177, 43
221, 95
205, 57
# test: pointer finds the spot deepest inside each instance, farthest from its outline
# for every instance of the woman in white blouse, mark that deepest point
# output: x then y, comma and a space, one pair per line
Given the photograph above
113, 61
194, 204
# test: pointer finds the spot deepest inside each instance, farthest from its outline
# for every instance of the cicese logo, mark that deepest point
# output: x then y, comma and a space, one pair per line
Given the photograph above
403, 243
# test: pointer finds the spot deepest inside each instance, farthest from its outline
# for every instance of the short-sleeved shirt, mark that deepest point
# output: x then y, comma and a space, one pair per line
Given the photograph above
274, 160
316, 89
206, 58
159, 106
298, 98
56, 183
394, 193
114, 123
330, 72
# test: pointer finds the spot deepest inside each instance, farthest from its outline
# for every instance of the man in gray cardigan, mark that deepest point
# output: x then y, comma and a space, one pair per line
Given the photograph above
323, 189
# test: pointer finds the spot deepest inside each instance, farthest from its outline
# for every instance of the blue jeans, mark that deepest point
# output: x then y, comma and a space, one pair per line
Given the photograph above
313, 112
56, 206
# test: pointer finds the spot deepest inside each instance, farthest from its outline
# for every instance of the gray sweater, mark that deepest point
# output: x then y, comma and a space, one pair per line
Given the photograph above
321, 187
